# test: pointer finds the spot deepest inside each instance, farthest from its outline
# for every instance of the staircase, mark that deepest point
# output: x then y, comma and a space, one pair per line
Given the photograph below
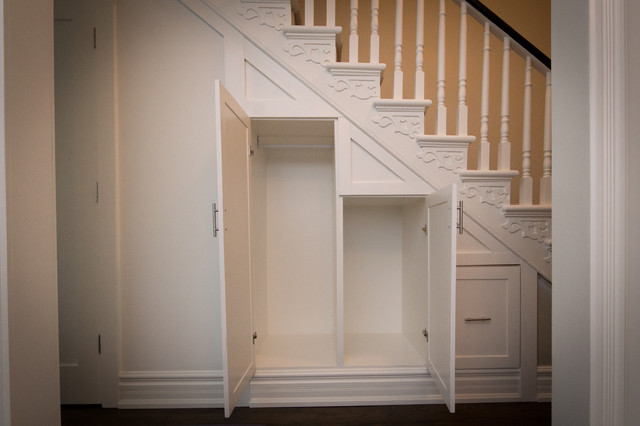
423, 135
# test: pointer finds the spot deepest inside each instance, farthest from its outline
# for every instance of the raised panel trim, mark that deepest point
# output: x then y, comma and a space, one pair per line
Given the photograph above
511, 359
408, 183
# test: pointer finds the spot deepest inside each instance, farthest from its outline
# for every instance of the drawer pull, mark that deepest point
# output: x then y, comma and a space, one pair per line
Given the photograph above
477, 319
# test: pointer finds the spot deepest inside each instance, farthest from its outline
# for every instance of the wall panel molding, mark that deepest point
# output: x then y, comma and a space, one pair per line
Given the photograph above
608, 146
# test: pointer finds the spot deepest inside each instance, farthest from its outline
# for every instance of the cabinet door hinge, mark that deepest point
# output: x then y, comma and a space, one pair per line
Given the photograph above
255, 336
425, 230
425, 333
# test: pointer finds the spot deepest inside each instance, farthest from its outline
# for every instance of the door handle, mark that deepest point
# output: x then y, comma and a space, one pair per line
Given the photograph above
214, 213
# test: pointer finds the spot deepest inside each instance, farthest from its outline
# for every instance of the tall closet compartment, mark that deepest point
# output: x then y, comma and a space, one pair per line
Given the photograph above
293, 243
319, 284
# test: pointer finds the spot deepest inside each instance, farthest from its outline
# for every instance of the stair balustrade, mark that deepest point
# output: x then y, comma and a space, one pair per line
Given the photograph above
472, 112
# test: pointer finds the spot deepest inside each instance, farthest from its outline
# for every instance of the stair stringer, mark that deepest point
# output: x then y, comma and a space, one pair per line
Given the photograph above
398, 139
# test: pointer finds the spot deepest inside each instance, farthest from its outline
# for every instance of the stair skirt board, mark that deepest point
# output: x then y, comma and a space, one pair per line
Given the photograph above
291, 388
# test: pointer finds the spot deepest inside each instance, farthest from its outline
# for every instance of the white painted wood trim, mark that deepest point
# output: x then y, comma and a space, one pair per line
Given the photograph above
314, 387
377, 386
544, 381
234, 69
342, 145
528, 332
108, 224
171, 389
608, 145
5, 400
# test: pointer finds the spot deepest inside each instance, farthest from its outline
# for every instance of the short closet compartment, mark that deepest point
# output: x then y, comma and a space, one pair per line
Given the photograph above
385, 270
293, 243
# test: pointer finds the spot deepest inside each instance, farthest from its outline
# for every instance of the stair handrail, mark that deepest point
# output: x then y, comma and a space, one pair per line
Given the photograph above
520, 44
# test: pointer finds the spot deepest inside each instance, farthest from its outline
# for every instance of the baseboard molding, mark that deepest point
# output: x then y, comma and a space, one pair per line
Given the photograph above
544, 383
378, 387
322, 387
488, 385
170, 389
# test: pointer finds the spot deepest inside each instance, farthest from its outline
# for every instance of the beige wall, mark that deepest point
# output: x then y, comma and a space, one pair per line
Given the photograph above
31, 225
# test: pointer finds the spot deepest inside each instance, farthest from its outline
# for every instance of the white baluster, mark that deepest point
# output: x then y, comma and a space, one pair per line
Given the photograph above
419, 85
441, 115
331, 13
397, 71
504, 147
374, 53
353, 36
308, 13
545, 181
484, 149
463, 113
526, 181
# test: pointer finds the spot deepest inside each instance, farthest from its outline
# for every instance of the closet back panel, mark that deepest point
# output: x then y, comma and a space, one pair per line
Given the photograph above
300, 240
373, 269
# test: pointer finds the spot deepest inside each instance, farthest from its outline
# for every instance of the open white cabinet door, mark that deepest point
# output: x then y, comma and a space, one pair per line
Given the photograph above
232, 229
441, 291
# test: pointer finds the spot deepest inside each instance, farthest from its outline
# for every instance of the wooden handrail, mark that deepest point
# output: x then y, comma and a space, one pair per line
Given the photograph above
505, 28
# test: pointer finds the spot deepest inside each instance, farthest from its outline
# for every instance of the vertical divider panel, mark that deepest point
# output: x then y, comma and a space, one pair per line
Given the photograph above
342, 141
339, 281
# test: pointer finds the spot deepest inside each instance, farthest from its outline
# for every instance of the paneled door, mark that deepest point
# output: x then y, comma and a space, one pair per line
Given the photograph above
77, 204
441, 291
231, 227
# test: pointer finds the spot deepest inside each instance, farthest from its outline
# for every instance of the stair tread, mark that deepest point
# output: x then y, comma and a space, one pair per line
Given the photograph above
303, 29
429, 140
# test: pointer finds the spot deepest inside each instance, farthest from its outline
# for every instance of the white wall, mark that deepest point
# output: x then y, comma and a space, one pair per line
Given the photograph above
167, 61
633, 213
31, 219
570, 323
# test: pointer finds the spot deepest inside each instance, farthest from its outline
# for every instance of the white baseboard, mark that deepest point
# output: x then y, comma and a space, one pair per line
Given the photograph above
488, 385
170, 389
321, 387
544, 383
378, 387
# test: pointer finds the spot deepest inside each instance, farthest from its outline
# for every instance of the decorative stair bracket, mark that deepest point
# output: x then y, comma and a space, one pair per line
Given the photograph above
356, 80
533, 222
488, 187
275, 14
314, 44
447, 155
404, 117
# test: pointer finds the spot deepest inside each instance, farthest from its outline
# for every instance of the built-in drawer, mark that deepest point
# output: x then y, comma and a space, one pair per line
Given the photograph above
488, 317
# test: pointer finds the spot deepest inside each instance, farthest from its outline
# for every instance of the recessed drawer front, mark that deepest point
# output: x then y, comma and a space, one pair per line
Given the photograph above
488, 317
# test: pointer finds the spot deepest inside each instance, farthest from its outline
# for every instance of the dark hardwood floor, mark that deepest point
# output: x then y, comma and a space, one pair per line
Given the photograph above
511, 414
